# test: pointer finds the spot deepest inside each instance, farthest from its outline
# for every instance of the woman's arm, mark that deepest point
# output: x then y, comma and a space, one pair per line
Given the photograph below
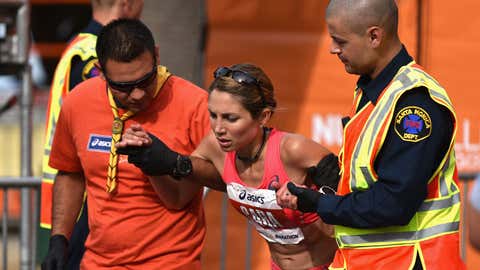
158, 161
299, 154
207, 163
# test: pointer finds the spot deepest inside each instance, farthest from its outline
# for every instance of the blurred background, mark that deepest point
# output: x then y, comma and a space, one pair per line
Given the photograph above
288, 39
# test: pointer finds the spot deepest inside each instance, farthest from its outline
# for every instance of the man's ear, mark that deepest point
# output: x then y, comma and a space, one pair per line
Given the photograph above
97, 65
125, 8
375, 35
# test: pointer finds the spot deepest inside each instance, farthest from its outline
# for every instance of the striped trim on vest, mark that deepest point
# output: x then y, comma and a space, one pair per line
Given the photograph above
84, 47
436, 216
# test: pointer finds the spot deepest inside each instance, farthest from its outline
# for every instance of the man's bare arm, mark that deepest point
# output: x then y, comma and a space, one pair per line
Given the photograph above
68, 190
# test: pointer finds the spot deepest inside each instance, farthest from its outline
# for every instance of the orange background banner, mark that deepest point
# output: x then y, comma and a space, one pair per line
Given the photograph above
289, 40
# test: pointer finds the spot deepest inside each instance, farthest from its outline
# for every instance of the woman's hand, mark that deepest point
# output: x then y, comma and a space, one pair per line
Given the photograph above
284, 197
135, 135
147, 152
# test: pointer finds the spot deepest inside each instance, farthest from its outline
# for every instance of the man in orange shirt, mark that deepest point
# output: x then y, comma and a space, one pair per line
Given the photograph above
75, 66
135, 222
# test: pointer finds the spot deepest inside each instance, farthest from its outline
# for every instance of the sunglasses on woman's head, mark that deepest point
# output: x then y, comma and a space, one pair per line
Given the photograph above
240, 77
127, 87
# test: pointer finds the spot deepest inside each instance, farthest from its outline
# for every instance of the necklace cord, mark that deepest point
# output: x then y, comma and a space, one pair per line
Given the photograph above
258, 152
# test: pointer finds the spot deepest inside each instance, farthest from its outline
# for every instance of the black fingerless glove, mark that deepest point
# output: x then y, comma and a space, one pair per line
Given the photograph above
155, 159
326, 173
57, 255
306, 198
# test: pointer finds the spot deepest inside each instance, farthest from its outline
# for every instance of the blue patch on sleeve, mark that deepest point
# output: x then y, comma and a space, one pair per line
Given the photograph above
413, 124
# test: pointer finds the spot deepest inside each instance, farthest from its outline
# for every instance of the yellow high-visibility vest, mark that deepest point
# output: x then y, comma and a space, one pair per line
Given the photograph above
82, 46
439, 214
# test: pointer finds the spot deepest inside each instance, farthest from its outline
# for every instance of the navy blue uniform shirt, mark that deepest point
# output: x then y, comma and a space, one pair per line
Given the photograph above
403, 167
82, 70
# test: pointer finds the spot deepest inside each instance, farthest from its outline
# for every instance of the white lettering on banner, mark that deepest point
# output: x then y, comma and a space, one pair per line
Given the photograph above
260, 217
327, 129
467, 153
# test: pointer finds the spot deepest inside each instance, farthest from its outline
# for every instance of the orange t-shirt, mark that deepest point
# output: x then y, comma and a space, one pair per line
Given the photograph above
132, 229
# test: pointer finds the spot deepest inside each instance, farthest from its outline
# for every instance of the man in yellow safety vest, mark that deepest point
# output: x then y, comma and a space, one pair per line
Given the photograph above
398, 201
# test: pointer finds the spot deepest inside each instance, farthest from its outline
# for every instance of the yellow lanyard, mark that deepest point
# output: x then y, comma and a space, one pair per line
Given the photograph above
117, 129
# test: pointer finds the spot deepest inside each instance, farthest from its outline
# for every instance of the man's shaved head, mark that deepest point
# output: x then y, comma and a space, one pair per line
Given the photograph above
103, 3
359, 15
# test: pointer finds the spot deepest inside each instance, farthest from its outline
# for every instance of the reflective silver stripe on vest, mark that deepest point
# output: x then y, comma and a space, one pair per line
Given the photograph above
439, 96
406, 83
367, 175
440, 203
53, 124
444, 189
442, 179
49, 176
454, 188
428, 76
433, 92
399, 236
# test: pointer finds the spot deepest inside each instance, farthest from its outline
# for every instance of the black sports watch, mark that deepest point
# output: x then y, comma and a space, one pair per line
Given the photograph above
183, 167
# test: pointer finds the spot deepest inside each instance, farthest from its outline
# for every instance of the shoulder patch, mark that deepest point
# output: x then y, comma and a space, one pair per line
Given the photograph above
413, 124
90, 70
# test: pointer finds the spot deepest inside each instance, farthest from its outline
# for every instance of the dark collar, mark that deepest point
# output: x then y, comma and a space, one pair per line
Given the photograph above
93, 27
373, 88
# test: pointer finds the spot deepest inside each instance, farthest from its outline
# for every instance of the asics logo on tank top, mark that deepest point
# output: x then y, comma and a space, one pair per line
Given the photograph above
242, 194
260, 207
251, 197
99, 143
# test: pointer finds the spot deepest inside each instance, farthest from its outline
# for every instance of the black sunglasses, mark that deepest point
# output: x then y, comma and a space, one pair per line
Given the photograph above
127, 87
240, 77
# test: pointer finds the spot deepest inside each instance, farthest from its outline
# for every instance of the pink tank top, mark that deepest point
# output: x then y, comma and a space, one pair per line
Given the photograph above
259, 204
